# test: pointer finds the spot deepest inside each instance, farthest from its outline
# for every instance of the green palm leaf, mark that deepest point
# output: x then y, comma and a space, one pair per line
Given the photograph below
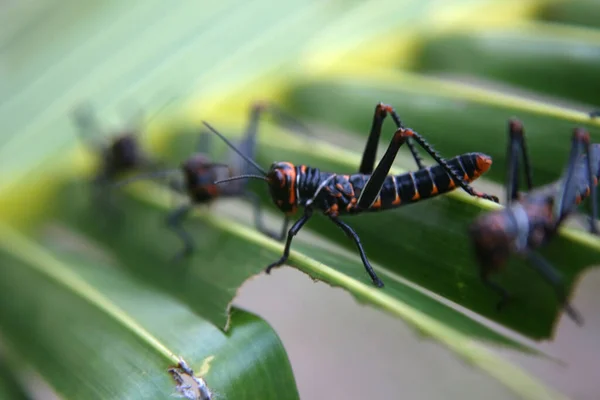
528, 56
121, 332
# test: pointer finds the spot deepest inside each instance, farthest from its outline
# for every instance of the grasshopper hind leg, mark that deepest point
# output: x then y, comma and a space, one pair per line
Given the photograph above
174, 222
548, 272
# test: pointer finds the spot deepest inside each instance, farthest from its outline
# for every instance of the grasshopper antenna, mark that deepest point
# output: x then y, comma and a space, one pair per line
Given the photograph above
162, 108
156, 113
248, 159
238, 177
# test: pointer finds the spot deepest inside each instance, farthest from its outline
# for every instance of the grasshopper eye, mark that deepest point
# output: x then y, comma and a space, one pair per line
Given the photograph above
280, 178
